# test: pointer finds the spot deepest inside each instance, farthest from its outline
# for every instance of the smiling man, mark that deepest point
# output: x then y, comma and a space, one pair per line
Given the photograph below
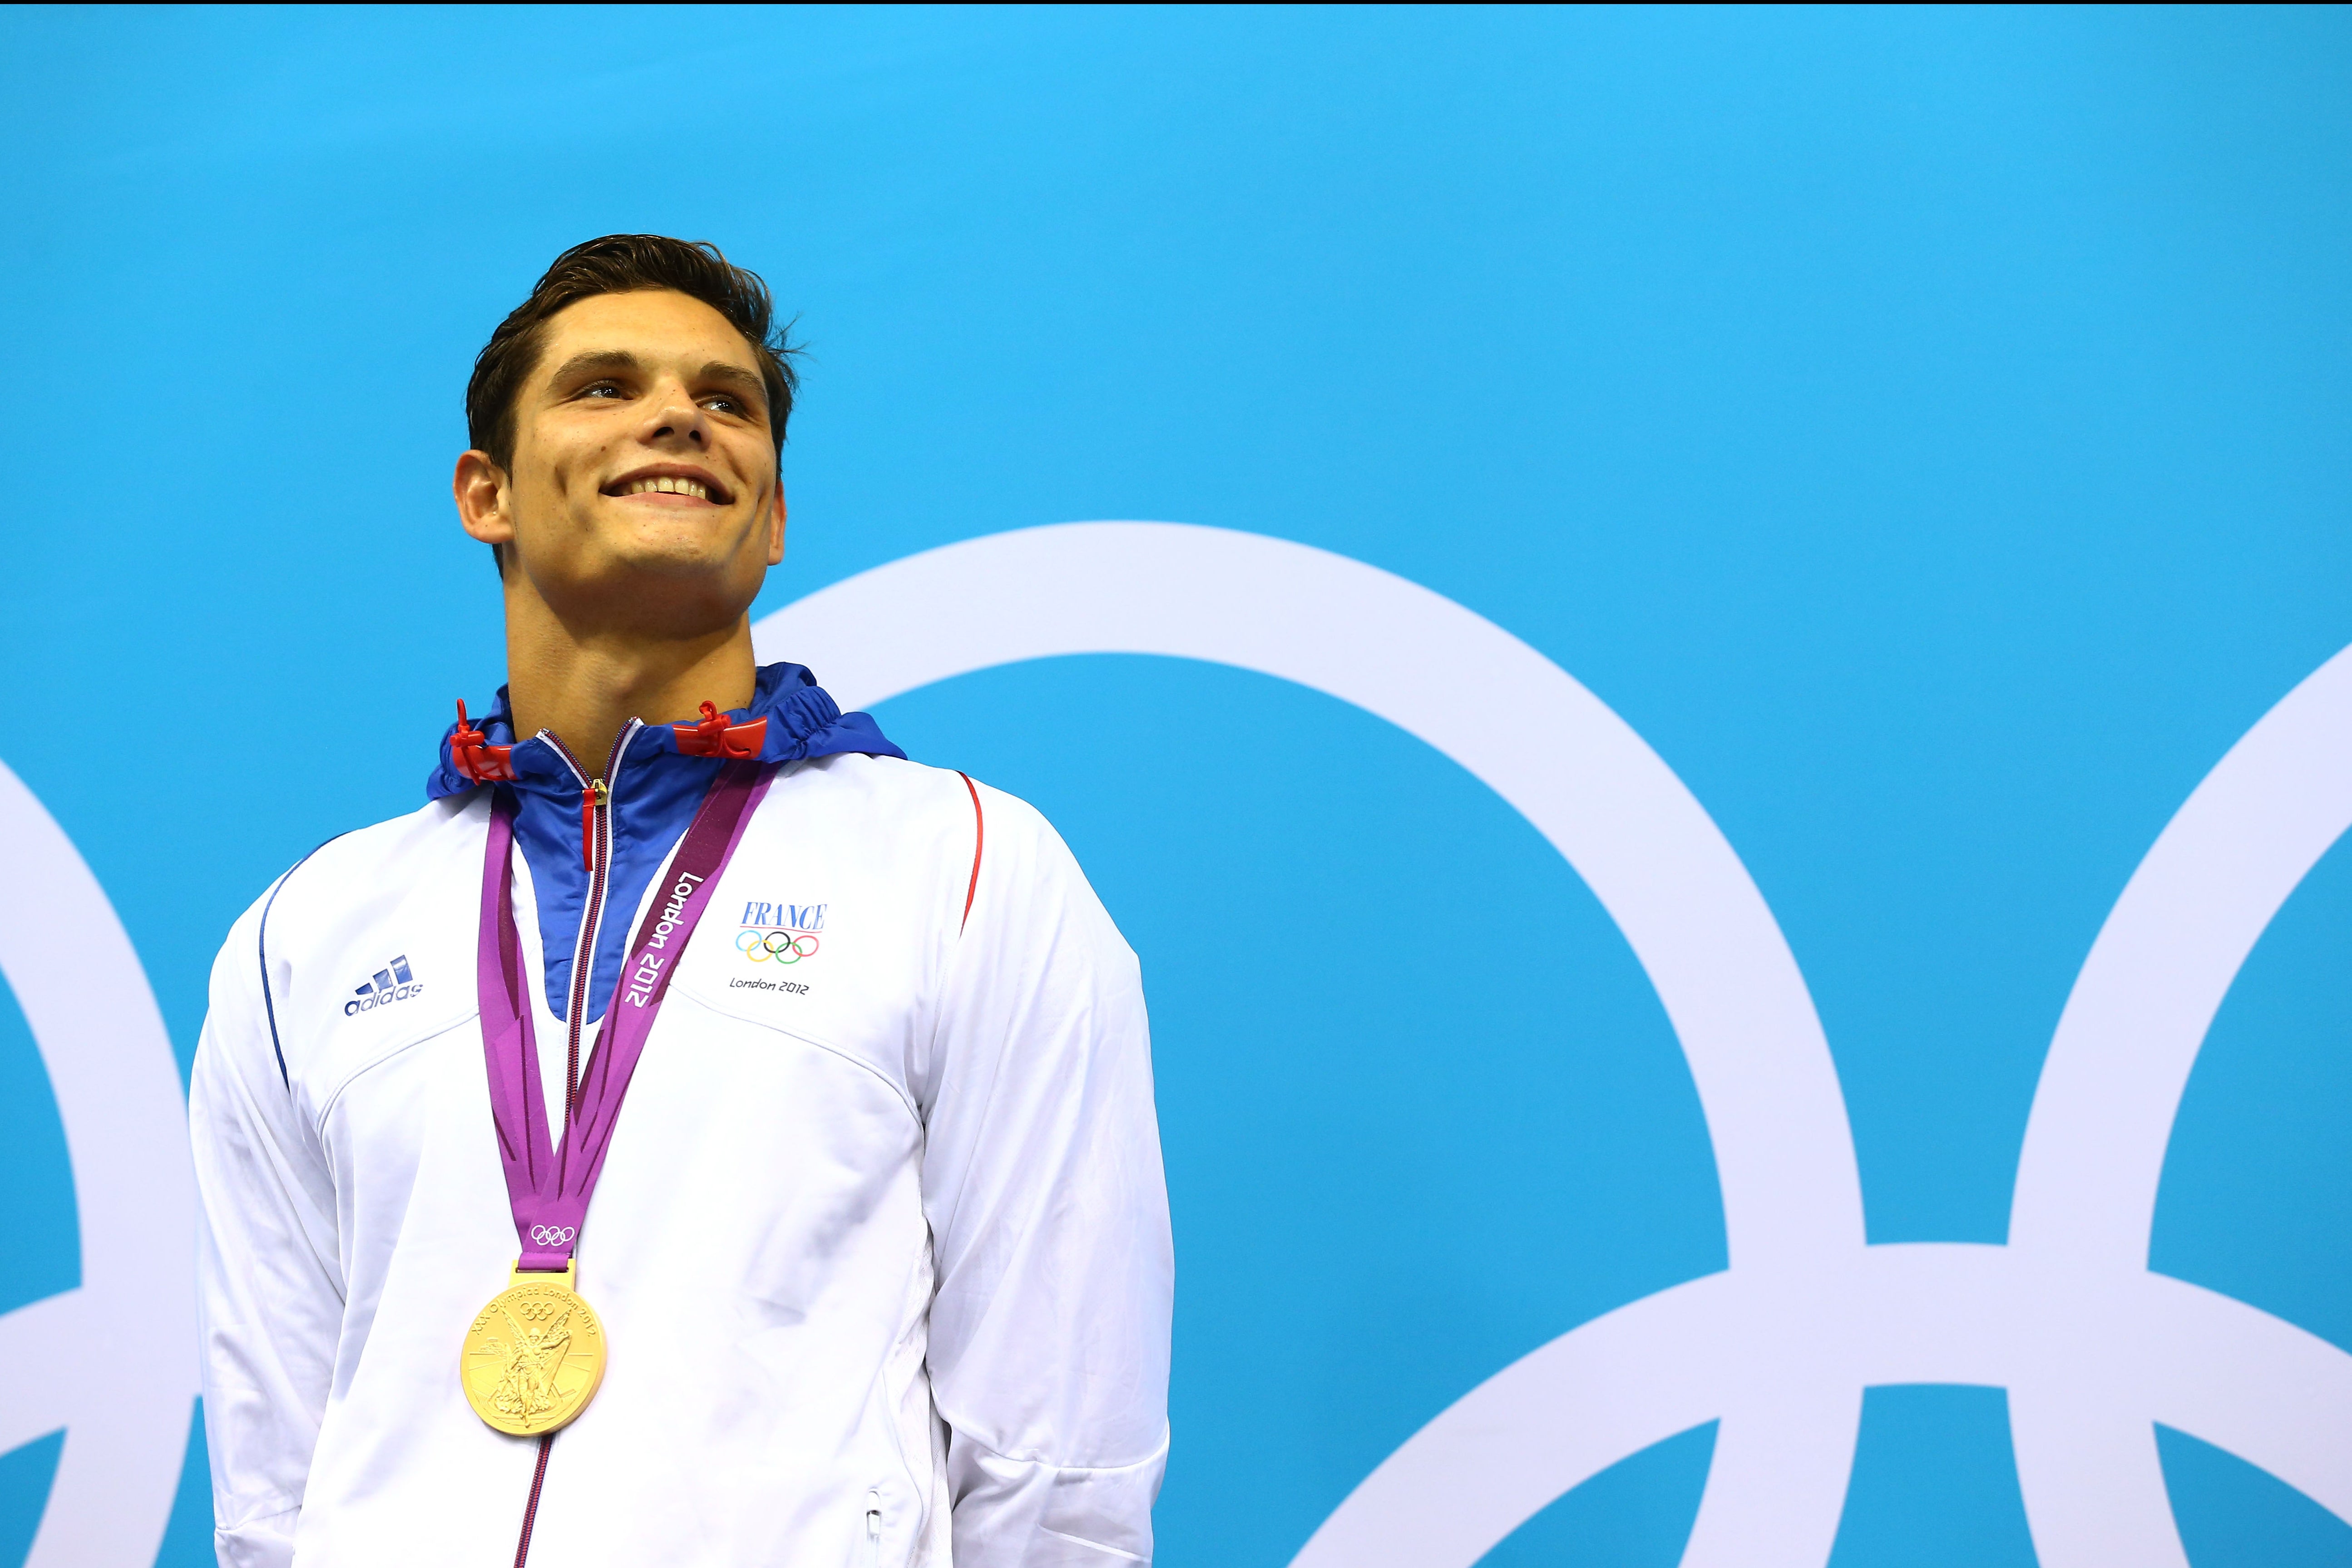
699, 1135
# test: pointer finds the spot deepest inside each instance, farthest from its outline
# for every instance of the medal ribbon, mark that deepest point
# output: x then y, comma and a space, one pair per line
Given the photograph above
549, 1186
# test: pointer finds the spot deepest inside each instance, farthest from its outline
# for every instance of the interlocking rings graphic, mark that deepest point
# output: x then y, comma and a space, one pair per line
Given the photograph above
783, 946
2093, 1348
112, 1360
553, 1234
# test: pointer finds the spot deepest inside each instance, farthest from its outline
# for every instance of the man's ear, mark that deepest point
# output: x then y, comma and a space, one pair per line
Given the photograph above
775, 527
480, 489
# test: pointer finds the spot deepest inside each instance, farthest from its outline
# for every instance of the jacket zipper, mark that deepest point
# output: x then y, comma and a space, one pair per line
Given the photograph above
596, 851
872, 1530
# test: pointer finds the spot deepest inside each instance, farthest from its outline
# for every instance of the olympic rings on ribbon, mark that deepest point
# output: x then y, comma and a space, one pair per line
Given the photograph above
553, 1234
783, 946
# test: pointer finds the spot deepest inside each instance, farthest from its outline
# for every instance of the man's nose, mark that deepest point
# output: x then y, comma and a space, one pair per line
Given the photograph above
679, 417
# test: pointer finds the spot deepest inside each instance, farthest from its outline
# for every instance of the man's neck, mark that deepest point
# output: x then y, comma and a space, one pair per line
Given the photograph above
586, 689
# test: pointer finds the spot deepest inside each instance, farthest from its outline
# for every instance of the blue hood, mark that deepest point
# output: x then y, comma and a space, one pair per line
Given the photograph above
654, 788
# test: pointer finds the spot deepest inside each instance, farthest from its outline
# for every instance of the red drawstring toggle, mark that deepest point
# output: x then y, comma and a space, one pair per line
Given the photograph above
714, 737
475, 757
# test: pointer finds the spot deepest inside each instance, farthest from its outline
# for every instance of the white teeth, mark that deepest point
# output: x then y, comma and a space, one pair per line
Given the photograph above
666, 485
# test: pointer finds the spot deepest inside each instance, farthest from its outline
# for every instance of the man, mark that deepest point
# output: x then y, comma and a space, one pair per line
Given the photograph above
700, 1135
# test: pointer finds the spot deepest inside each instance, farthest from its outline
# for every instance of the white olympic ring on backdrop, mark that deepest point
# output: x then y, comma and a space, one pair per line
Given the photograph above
553, 1234
2092, 1347
112, 1360
761, 946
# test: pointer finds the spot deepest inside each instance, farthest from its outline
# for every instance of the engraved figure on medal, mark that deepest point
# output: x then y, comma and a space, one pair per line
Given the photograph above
533, 1358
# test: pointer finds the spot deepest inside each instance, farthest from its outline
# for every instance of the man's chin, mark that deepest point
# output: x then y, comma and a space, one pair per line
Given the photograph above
676, 544
660, 588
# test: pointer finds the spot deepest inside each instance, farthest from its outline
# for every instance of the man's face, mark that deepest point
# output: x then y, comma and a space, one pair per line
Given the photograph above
644, 488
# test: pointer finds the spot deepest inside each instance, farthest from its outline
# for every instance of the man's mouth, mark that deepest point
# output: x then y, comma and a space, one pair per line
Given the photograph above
685, 485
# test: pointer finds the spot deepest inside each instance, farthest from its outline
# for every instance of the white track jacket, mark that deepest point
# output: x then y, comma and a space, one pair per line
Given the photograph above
880, 1249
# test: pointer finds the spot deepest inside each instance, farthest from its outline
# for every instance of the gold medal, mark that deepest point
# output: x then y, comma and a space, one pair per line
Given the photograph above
533, 1358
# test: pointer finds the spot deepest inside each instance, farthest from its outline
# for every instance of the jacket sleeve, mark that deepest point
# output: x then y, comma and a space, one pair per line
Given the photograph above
1049, 1331
270, 1285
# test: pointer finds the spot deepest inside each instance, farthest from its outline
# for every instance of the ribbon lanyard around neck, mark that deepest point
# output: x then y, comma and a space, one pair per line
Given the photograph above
548, 1185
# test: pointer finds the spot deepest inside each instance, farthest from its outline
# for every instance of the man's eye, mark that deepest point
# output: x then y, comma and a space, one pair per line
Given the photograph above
725, 405
600, 389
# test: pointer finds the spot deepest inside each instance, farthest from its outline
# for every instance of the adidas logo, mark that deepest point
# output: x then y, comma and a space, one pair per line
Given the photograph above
393, 983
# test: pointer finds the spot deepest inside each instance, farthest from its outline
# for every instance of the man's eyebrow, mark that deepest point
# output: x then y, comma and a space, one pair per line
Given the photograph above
594, 359
735, 376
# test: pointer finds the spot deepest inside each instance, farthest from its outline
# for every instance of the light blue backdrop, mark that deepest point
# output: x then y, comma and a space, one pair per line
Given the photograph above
1931, 430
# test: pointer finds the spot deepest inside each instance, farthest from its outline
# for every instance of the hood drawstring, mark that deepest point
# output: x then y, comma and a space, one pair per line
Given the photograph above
475, 757
715, 737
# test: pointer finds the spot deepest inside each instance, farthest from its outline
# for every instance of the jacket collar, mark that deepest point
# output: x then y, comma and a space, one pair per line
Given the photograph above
789, 718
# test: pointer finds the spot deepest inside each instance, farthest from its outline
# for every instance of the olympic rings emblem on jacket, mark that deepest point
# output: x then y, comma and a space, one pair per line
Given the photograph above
783, 946
553, 1234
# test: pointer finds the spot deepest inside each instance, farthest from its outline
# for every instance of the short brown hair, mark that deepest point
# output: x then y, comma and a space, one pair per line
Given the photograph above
622, 264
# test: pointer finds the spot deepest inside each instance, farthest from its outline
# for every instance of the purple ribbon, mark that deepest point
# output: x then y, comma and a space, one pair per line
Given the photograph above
549, 1186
